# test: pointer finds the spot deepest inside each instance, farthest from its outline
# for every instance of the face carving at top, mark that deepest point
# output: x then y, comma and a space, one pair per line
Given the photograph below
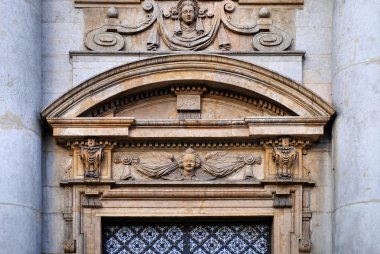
188, 13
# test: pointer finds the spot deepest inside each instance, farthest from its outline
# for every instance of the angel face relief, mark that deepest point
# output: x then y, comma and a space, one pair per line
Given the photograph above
188, 163
188, 166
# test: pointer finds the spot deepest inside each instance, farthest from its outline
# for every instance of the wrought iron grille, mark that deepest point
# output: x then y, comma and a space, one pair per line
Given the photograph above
197, 238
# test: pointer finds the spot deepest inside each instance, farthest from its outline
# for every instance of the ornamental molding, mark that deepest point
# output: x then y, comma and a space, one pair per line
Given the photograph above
182, 27
188, 166
170, 69
108, 3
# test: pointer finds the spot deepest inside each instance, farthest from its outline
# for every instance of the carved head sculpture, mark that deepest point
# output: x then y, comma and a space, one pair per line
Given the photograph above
189, 161
188, 11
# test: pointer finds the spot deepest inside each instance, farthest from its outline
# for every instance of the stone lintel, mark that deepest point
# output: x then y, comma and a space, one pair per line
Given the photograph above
256, 127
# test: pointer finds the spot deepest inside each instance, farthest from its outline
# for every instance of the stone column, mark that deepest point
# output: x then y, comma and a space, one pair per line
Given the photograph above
20, 137
356, 97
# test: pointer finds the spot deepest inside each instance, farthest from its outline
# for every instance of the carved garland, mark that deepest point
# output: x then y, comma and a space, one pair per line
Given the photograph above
188, 32
189, 166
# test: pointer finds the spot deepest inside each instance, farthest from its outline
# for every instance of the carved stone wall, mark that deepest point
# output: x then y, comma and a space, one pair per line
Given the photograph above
299, 204
216, 25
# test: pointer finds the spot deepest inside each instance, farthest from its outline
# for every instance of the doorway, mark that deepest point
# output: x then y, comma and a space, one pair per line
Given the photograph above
193, 236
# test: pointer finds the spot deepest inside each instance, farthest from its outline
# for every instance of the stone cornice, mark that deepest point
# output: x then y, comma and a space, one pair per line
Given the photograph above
87, 126
158, 53
286, 125
197, 67
107, 3
120, 127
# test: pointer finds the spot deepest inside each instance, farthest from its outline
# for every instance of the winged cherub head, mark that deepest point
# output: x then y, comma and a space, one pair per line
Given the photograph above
189, 162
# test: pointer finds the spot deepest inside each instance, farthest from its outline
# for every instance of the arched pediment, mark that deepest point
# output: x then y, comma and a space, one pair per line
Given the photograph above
232, 86
223, 71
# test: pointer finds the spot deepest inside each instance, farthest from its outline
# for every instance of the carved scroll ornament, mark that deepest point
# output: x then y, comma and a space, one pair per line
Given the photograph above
188, 31
189, 166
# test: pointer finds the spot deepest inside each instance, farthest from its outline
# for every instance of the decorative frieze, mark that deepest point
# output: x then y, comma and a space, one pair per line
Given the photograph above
182, 28
188, 166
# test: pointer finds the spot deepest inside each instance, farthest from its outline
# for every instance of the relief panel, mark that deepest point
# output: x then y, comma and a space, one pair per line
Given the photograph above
188, 165
185, 25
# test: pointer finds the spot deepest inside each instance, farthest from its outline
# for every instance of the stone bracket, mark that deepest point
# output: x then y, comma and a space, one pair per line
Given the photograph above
91, 201
282, 201
69, 246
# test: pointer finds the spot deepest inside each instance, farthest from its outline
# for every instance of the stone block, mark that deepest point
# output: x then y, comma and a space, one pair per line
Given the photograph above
52, 199
355, 230
321, 233
314, 40
53, 233
20, 183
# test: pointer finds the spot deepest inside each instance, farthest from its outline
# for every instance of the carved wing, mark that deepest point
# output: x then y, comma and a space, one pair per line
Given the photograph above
155, 164
221, 164
277, 158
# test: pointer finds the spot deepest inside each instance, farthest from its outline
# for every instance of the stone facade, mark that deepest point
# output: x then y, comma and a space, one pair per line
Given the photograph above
189, 109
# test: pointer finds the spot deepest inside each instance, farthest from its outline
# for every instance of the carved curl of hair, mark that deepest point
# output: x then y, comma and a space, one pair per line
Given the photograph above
197, 158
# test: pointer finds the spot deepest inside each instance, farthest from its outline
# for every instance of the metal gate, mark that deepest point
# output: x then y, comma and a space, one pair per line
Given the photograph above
185, 238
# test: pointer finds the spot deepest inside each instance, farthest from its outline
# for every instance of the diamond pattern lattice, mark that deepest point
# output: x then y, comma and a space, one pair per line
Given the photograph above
185, 238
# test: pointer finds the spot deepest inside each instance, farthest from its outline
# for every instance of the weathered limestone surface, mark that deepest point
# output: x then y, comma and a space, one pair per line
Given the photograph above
313, 25
356, 97
89, 64
64, 29
20, 137
62, 32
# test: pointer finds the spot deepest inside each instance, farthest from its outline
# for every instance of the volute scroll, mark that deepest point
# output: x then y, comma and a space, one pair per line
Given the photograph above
187, 26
